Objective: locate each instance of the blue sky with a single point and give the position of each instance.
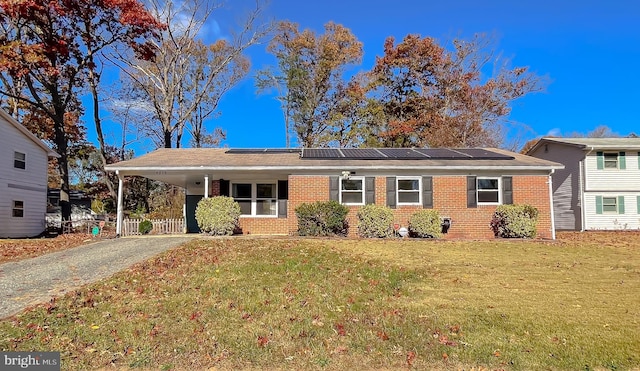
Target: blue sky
(589, 50)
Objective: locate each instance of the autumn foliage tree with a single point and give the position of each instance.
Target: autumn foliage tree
(50, 49)
(434, 97)
(310, 79)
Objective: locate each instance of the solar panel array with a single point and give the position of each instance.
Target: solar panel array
(402, 154)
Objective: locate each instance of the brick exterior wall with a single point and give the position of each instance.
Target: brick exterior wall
(449, 198)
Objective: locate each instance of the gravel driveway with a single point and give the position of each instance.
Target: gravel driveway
(36, 280)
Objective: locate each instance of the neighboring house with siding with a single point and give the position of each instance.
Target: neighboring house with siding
(599, 187)
(23, 180)
(465, 185)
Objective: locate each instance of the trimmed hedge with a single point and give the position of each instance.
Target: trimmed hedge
(515, 221)
(218, 215)
(425, 224)
(322, 218)
(375, 221)
(145, 226)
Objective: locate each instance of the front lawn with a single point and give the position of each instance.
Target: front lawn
(354, 304)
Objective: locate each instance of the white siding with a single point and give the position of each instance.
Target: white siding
(627, 179)
(629, 220)
(28, 185)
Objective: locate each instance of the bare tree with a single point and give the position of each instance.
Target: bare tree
(186, 79)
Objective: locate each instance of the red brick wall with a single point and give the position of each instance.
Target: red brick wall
(449, 198)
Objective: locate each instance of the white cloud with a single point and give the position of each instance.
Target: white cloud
(555, 132)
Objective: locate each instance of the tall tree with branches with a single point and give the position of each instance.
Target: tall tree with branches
(50, 49)
(186, 79)
(310, 79)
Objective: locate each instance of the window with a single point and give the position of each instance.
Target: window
(488, 190)
(408, 191)
(352, 191)
(610, 205)
(18, 209)
(610, 160)
(255, 199)
(19, 160)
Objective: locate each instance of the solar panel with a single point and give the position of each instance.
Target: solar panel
(483, 154)
(442, 153)
(321, 153)
(402, 153)
(362, 153)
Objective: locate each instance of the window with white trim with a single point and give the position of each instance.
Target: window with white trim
(18, 209)
(408, 190)
(610, 160)
(610, 205)
(488, 190)
(255, 199)
(19, 160)
(352, 191)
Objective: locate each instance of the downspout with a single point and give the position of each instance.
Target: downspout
(583, 188)
(553, 219)
(119, 210)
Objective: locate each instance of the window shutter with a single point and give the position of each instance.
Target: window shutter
(369, 190)
(620, 204)
(283, 196)
(598, 204)
(600, 160)
(472, 201)
(391, 192)
(507, 190)
(638, 204)
(427, 192)
(334, 188)
(224, 187)
(622, 161)
(638, 160)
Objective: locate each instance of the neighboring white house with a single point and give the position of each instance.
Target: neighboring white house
(23, 180)
(599, 188)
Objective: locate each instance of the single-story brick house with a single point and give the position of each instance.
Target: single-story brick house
(465, 185)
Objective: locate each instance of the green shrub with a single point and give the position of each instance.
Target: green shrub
(218, 215)
(515, 221)
(322, 218)
(425, 224)
(145, 226)
(375, 221)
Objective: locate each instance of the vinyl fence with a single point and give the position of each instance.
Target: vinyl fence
(160, 226)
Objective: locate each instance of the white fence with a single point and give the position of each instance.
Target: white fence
(160, 226)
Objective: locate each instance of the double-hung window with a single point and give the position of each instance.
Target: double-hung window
(488, 190)
(610, 160)
(408, 190)
(255, 199)
(610, 205)
(352, 191)
(19, 160)
(18, 209)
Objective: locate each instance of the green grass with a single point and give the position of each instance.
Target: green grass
(360, 304)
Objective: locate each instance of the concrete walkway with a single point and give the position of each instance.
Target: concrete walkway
(37, 280)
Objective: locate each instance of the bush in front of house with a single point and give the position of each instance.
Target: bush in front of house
(145, 227)
(425, 224)
(515, 221)
(322, 218)
(375, 221)
(218, 215)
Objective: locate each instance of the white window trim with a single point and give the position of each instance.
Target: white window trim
(499, 190)
(615, 200)
(419, 190)
(360, 178)
(13, 208)
(604, 160)
(254, 198)
(21, 160)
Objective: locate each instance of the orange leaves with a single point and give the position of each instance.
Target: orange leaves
(263, 341)
(382, 335)
(411, 357)
(340, 329)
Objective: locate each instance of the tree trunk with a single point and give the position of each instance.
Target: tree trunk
(96, 117)
(63, 167)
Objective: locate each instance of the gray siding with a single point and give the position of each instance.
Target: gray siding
(28, 185)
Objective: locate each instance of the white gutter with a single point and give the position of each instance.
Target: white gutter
(553, 219)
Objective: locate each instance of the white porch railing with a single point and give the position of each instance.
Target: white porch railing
(160, 226)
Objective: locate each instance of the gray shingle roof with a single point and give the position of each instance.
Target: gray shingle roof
(611, 143)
